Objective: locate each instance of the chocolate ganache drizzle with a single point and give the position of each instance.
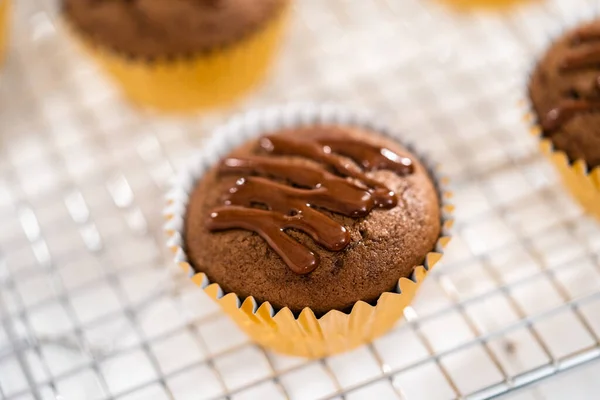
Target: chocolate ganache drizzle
(274, 193)
(585, 55)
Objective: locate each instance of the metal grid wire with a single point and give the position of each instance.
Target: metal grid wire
(88, 312)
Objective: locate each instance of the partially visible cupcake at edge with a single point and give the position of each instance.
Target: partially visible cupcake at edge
(326, 229)
(180, 55)
(565, 96)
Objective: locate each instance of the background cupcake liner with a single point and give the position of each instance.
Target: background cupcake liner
(209, 79)
(4, 21)
(469, 5)
(305, 334)
(582, 182)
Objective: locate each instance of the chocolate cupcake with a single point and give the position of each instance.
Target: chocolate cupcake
(180, 54)
(565, 95)
(321, 231)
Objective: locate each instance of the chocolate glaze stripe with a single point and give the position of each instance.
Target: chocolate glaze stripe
(587, 34)
(266, 180)
(566, 111)
(586, 54)
(271, 225)
(581, 58)
(339, 195)
(369, 157)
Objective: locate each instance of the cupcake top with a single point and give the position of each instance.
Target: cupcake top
(168, 28)
(565, 91)
(317, 217)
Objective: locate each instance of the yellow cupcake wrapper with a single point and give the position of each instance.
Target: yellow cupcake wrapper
(4, 16)
(280, 330)
(499, 5)
(186, 84)
(582, 182)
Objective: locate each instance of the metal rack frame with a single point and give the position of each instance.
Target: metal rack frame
(86, 308)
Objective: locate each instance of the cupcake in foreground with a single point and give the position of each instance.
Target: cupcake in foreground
(565, 95)
(180, 55)
(313, 237)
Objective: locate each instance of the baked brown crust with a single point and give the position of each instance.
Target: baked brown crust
(168, 28)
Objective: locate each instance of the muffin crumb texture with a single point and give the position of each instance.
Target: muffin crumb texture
(168, 28)
(361, 249)
(565, 92)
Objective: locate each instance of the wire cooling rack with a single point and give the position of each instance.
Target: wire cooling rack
(88, 310)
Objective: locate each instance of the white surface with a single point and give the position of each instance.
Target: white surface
(581, 383)
(89, 312)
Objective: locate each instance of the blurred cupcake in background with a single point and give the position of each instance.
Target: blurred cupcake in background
(4, 11)
(311, 226)
(180, 55)
(564, 90)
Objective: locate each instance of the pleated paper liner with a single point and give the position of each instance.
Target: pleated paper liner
(207, 80)
(4, 25)
(279, 329)
(487, 5)
(582, 182)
